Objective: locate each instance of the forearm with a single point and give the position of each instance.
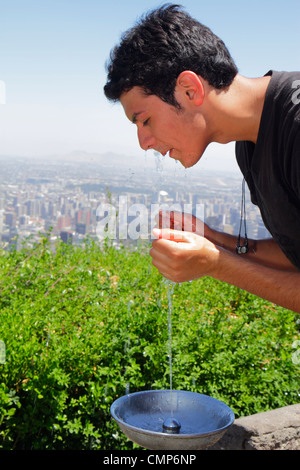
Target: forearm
(265, 252)
(184, 256)
(277, 286)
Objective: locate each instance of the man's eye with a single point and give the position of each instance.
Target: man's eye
(146, 122)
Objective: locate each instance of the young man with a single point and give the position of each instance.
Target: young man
(179, 85)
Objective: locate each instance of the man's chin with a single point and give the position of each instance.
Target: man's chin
(187, 161)
(190, 162)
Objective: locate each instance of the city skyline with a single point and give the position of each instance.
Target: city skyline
(70, 197)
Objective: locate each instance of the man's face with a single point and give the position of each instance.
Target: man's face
(164, 128)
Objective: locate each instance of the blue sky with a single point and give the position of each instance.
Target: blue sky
(52, 56)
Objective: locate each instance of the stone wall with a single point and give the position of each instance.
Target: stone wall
(273, 430)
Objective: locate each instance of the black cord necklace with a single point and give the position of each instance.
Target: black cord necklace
(242, 249)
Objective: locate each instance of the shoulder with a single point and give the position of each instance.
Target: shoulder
(284, 87)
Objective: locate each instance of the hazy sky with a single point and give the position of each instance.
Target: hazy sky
(52, 61)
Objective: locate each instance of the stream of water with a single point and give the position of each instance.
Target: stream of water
(170, 286)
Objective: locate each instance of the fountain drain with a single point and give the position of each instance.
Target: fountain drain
(171, 426)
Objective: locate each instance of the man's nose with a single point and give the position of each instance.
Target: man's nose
(146, 139)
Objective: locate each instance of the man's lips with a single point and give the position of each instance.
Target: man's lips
(169, 151)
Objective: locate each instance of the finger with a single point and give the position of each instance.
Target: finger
(161, 260)
(172, 235)
(165, 219)
(177, 220)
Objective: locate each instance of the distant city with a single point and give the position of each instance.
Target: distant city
(61, 195)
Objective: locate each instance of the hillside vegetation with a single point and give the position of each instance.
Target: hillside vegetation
(84, 325)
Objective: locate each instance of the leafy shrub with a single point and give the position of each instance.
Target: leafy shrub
(83, 326)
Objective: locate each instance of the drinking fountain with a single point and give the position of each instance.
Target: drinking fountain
(172, 419)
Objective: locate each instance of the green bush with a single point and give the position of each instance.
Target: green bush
(83, 325)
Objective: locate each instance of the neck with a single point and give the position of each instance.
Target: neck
(236, 112)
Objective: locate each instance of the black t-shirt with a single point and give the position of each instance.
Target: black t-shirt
(271, 167)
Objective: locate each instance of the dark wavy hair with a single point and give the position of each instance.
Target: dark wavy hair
(156, 50)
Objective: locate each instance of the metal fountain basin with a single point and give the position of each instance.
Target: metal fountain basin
(142, 417)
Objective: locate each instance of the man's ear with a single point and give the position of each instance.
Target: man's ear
(190, 85)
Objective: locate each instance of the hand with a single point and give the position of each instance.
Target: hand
(183, 256)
